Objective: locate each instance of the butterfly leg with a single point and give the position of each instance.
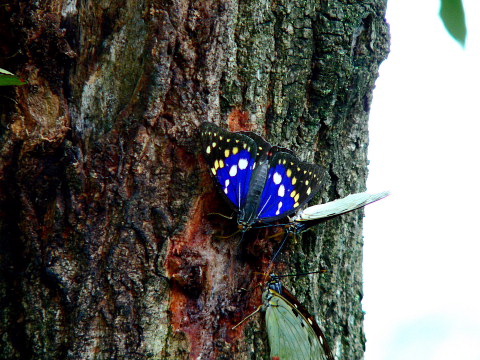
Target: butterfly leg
(248, 317)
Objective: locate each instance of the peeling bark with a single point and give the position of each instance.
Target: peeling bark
(107, 247)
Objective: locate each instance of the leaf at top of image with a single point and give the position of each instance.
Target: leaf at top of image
(7, 78)
(453, 17)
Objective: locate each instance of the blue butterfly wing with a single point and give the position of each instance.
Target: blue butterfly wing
(231, 157)
(290, 183)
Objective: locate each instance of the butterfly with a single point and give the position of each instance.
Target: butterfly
(260, 182)
(293, 334)
(317, 214)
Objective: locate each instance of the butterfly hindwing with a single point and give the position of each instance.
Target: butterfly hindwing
(231, 157)
(290, 183)
(289, 335)
(292, 332)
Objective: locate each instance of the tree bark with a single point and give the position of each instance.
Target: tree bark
(107, 247)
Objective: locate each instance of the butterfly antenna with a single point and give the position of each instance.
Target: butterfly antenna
(270, 264)
(279, 248)
(222, 215)
(248, 317)
(303, 274)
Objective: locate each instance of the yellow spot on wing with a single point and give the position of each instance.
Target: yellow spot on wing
(227, 153)
(296, 197)
(208, 149)
(221, 164)
(235, 150)
(215, 164)
(309, 190)
(289, 173)
(294, 180)
(214, 144)
(214, 171)
(293, 193)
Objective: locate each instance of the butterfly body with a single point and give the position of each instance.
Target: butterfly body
(293, 333)
(247, 214)
(261, 182)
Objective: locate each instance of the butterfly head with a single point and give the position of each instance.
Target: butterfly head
(243, 226)
(275, 284)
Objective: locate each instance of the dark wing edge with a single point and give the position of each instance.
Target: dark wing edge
(262, 144)
(288, 296)
(210, 133)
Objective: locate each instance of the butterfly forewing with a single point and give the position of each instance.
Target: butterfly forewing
(339, 206)
(290, 333)
(290, 183)
(231, 158)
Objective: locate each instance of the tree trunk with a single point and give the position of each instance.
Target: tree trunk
(107, 246)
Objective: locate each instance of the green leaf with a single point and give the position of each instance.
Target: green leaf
(453, 17)
(7, 78)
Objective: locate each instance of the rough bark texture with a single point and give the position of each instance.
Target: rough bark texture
(103, 191)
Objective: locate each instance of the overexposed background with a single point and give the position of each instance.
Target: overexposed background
(422, 244)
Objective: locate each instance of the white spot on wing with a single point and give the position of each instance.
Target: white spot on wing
(280, 204)
(233, 171)
(277, 178)
(227, 182)
(281, 191)
(242, 164)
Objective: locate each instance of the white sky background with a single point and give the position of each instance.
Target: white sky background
(422, 244)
